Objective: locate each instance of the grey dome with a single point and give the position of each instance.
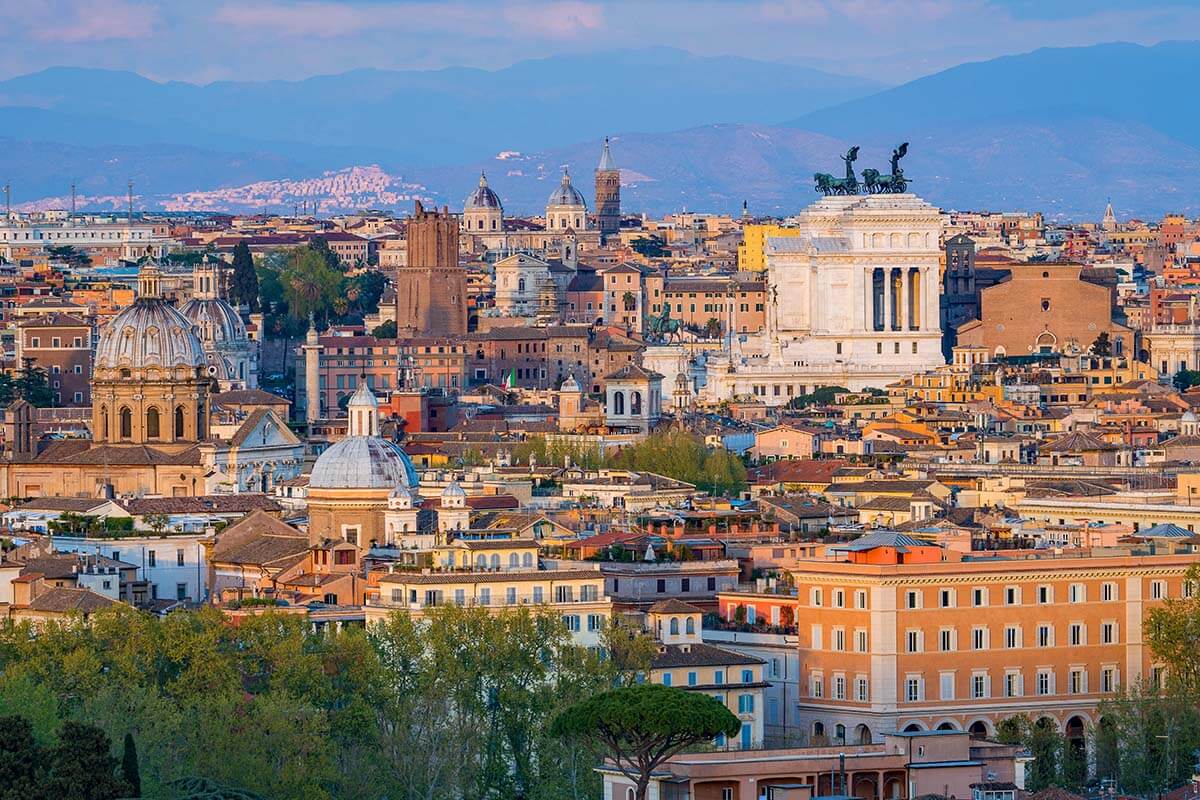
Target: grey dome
(363, 462)
(483, 198)
(151, 332)
(566, 194)
(215, 320)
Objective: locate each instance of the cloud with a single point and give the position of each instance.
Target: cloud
(324, 19)
(65, 22)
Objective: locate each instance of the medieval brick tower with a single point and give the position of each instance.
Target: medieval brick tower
(608, 195)
(431, 290)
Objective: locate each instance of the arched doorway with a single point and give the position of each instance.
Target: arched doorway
(862, 735)
(978, 729)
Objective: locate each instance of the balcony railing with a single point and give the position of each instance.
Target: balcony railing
(496, 601)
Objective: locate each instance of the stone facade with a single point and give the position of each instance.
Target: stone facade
(1045, 308)
(852, 301)
(431, 289)
(608, 195)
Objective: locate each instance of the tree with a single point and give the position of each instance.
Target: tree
(32, 385)
(310, 285)
(129, 766)
(821, 396)
(20, 759)
(365, 291)
(385, 330)
(649, 246)
(1147, 739)
(245, 279)
(81, 765)
(641, 726)
(1173, 632)
(157, 522)
(1102, 346)
(1185, 379)
(712, 328)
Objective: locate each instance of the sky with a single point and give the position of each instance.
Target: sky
(889, 40)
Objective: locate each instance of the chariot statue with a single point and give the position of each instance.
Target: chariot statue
(873, 181)
(895, 183)
(827, 184)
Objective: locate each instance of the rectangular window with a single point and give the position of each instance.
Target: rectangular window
(1012, 595)
(912, 690)
(946, 685)
(839, 687)
(946, 640)
(1108, 679)
(485, 596)
(839, 598)
(460, 597)
(860, 640)
(1045, 595)
(979, 686)
(1077, 593)
(860, 599)
(816, 637)
(946, 598)
(816, 597)
(979, 597)
(1045, 682)
(1158, 590)
(1045, 636)
(979, 638)
(861, 692)
(661, 586)
(1012, 684)
(839, 639)
(1077, 634)
(913, 600)
(1108, 592)
(151, 558)
(179, 558)
(913, 641)
(510, 596)
(1108, 633)
(666, 679)
(1077, 683)
(719, 676)
(1012, 637)
(692, 678)
(818, 686)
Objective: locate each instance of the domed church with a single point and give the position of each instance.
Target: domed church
(351, 482)
(566, 208)
(150, 424)
(232, 358)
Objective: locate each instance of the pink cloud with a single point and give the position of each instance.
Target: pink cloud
(330, 20)
(61, 21)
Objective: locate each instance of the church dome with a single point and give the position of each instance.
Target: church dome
(215, 320)
(363, 462)
(151, 332)
(483, 198)
(566, 194)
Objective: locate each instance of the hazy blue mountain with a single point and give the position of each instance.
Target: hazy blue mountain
(1121, 82)
(437, 116)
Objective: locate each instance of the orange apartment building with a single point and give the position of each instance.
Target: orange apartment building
(896, 634)
(698, 300)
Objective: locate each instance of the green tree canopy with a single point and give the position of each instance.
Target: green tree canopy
(684, 456)
(311, 286)
(641, 726)
(385, 330)
(245, 279)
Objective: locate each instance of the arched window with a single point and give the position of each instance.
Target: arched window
(126, 423)
(481, 561)
(635, 403)
(495, 561)
(178, 422)
(674, 626)
(690, 625)
(514, 560)
(152, 423)
(527, 560)
(839, 733)
(520, 284)
(619, 403)
(104, 422)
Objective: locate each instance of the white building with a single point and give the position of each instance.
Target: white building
(120, 238)
(853, 303)
(173, 564)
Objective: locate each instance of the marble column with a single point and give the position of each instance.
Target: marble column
(905, 310)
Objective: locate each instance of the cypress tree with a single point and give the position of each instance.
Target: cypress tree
(129, 766)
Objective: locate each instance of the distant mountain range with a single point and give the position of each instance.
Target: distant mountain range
(1058, 130)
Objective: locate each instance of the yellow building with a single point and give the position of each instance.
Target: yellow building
(684, 661)
(576, 594)
(751, 255)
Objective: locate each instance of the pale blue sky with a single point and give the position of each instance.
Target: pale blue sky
(890, 40)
